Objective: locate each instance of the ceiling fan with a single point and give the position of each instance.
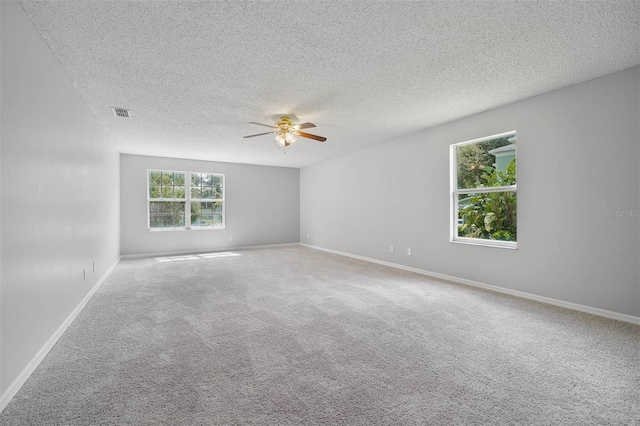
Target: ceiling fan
(286, 131)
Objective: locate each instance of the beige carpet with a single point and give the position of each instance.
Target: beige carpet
(294, 336)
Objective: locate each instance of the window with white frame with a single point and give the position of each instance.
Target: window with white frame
(484, 191)
(185, 200)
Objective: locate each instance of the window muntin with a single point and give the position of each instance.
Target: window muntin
(185, 200)
(484, 191)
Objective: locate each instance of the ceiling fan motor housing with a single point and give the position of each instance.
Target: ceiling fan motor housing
(286, 129)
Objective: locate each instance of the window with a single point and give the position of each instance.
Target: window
(185, 200)
(483, 191)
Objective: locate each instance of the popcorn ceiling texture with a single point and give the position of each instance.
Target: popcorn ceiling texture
(194, 73)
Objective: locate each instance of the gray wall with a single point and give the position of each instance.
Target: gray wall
(578, 157)
(262, 207)
(59, 195)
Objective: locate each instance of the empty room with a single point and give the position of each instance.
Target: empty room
(320, 213)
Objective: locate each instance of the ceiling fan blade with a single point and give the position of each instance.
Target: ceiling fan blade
(304, 126)
(260, 124)
(310, 136)
(258, 134)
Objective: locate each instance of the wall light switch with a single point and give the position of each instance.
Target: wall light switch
(230, 238)
(408, 252)
(390, 249)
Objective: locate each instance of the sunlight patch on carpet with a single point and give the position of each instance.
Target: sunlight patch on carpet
(197, 256)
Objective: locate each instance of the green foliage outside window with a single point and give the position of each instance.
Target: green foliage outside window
(166, 184)
(490, 215)
(166, 214)
(472, 160)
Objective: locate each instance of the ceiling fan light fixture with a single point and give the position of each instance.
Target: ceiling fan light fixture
(289, 137)
(280, 140)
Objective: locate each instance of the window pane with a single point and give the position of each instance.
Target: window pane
(167, 221)
(195, 214)
(178, 179)
(489, 216)
(154, 191)
(202, 214)
(487, 163)
(196, 220)
(165, 214)
(195, 179)
(167, 208)
(155, 207)
(207, 193)
(217, 184)
(155, 222)
(178, 208)
(207, 179)
(205, 214)
(195, 192)
(179, 192)
(167, 178)
(167, 192)
(179, 220)
(155, 177)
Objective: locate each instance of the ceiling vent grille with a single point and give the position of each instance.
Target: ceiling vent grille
(121, 112)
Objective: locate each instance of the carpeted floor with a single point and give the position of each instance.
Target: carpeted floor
(295, 336)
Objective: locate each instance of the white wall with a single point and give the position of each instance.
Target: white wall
(60, 196)
(262, 207)
(578, 157)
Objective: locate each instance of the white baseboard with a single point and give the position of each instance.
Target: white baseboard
(213, 250)
(15, 386)
(582, 308)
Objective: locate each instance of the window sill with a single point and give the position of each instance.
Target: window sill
(217, 228)
(184, 229)
(511, 245)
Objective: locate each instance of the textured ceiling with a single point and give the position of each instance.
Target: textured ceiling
(194, 73)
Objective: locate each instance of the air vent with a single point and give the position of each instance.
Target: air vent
(121, 112)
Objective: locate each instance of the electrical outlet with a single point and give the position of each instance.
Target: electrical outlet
(390, 249)
(408, 252)
(230, 238)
